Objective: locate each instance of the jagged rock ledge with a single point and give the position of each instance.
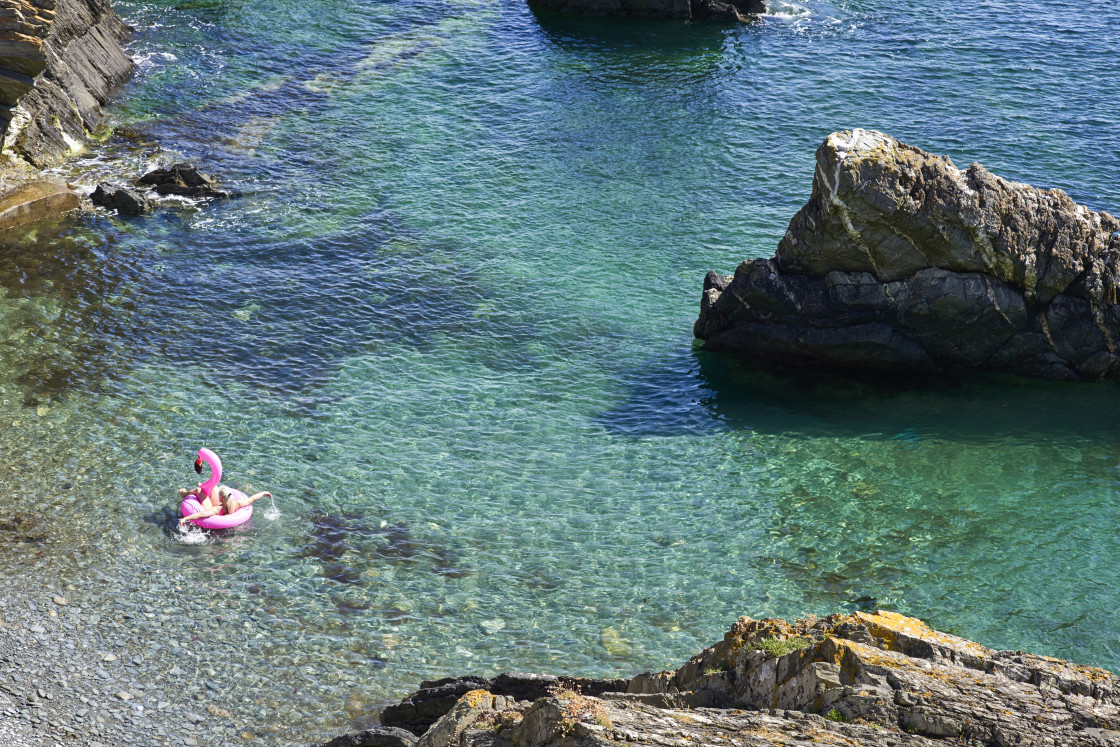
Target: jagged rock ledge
(901, 261)
(59, 62)
(728, 10)
(864, 679)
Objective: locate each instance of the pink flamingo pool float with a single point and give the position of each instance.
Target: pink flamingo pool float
(192, 503)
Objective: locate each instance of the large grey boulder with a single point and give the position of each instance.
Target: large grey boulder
(902, 261)
(736, 10)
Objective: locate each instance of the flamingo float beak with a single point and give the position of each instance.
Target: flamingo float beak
(198, 466)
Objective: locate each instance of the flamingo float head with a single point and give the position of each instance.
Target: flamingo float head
(209, 457)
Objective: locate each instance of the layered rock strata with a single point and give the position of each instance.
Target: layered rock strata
(739, 10)
(902, 261)
(59, 60)
(864, 679)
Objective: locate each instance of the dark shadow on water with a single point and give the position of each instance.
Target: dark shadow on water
(638, 50)
(698, 392)
(290, 311)
(667, 398)
(576, 33)
(958, 406)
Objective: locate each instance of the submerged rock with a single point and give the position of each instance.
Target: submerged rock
(901, 261)
(734, 10)
(872, 679)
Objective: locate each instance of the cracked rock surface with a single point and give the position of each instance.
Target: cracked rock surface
(864, 679)
(902, 261)
(59, 62)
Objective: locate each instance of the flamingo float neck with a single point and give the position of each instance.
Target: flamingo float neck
(205, 455)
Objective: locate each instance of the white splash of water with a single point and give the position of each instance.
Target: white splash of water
(272, 513)
(788, 10)
(146, 61)
(189, 534)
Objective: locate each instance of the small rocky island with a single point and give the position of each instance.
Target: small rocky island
(864, 679)
(901, 261)
(729, 10)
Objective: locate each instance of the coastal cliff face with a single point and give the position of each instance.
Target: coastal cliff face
(864, 679)
(739, 10)
(902, 261)
(59, 60)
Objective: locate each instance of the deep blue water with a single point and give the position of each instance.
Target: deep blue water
(448, 324)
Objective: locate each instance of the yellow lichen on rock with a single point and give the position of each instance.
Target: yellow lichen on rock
(477, 698)
(890, 628)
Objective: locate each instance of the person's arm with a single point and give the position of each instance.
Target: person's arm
(204, 513)
(254, 497)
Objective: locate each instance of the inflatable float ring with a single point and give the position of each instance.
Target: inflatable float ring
(190, 505)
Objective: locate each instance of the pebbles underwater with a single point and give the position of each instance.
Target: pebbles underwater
(68, 675)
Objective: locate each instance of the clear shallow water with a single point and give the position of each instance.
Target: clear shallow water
(448, 325)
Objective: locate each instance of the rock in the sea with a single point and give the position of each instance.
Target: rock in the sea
(35, 201)
(125, 201)
(735, 10)
(183, 179)
(59, 60)
(728, 10)
(873, 679)
(902, 261)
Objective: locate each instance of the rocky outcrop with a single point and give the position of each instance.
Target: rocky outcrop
(183, 180)
(59, 60)
(178, 180)
(125, 201)
(419, 711)
(380, 736)
(864, 679)
(33, 201)
(902, 261)
(736, 10)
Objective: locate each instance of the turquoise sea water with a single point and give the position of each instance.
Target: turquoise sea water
(448, 324)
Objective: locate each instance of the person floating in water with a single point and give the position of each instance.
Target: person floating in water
(220, 502)
(212, 499)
